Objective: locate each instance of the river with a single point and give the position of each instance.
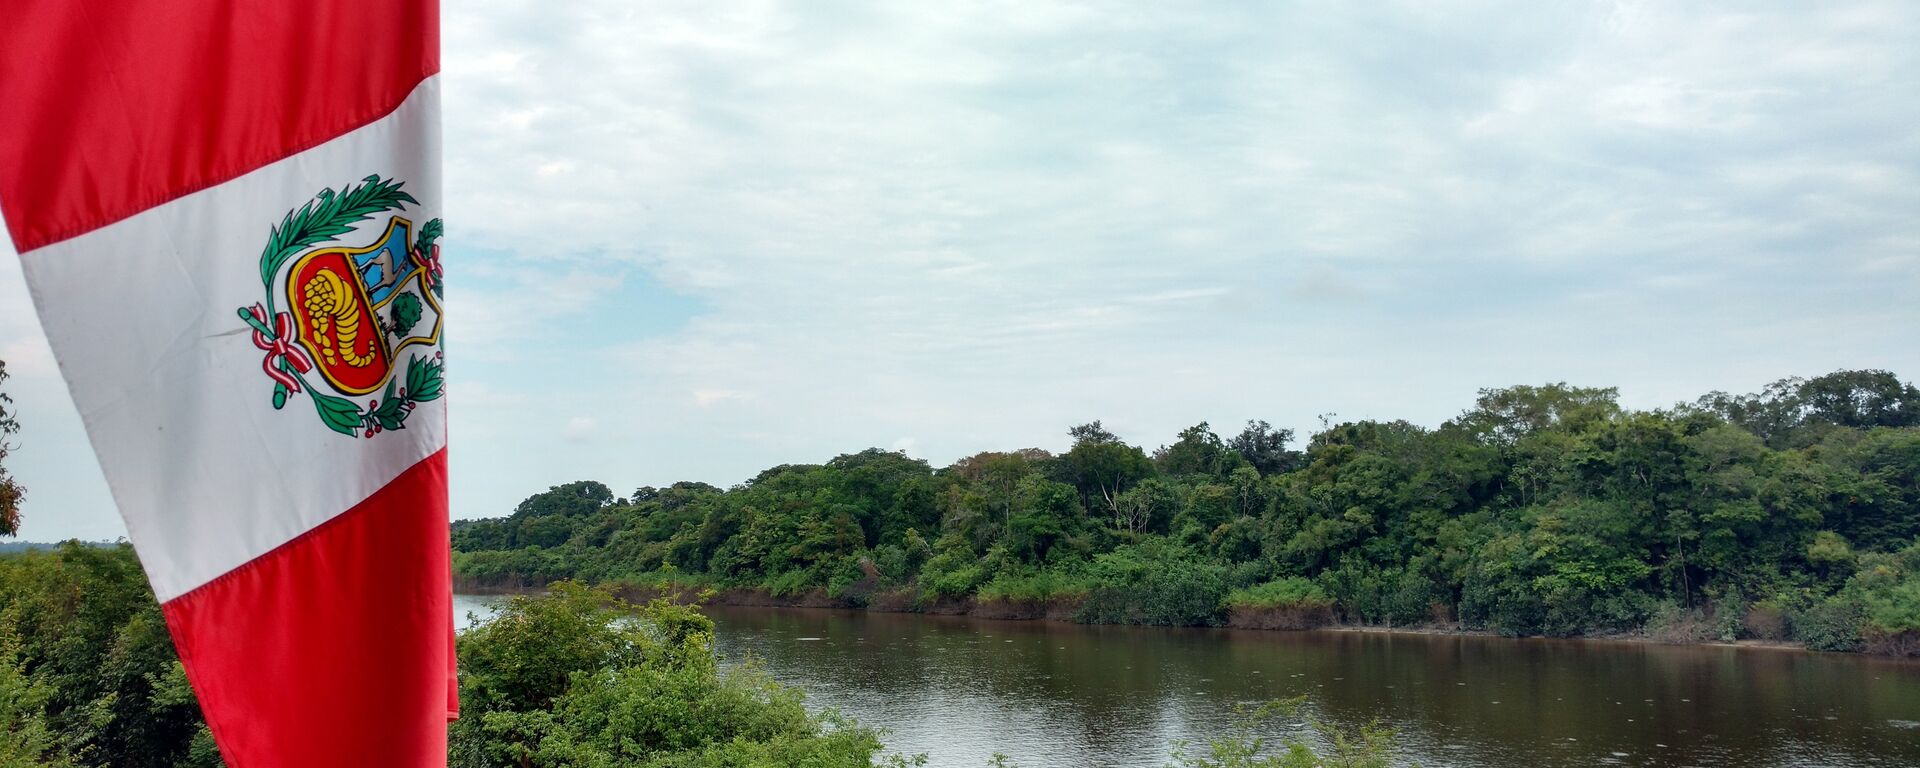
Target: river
(1051, 694)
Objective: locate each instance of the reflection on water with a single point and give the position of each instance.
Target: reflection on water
(467, 608)
(1050, 694)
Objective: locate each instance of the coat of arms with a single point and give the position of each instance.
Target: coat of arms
(354, 316)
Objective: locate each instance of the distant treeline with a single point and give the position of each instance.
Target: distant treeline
(10, 547)
(1787, 514)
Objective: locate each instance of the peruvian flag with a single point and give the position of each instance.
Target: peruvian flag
(229, 217)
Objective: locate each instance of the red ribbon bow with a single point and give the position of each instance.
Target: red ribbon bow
(279, 348)
(430, 259)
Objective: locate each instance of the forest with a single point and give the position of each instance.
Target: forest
(1786, 515)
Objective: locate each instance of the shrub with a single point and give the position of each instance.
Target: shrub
(1153, 582)
(790, 583)
(1833, 624)
(1288, 603)
(25, 739)
(1516, 586)
(952, 573)
(1670, 623)
(1896, 607)
(1291, 590)
(579, 677)
(852, 580)
(1384, 596)
(1884, 593)
(891, 561)
(1034, 584)
(1728, 613)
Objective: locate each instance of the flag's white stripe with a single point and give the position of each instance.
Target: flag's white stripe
(141, 316)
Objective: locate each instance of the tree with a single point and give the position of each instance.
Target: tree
(1045, 513)
(1148, 507)
(1102, 467)
(1198, 451)
(1506, 415)
(1860, 400)
(575, 499)
(1265, 448)
(1772, 413)
(1091, 433)
(1793, 412)
(10, 491)
(82, 624)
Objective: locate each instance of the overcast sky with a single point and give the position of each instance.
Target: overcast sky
(693, 240)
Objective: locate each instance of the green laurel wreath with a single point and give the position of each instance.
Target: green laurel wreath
(425, 383)
(326, 216)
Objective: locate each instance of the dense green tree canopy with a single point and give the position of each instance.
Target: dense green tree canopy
(1540, 509)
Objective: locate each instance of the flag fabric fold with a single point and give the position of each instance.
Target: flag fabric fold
(229, 217)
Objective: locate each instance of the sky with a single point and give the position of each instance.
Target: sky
(691, 240)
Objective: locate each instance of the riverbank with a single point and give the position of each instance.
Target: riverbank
(1624, 637)
(1062, 610)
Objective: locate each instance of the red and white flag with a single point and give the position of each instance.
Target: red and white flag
(229, 215)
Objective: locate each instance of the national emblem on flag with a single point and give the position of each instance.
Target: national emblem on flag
(352, 313)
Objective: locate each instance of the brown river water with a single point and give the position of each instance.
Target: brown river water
(1050, 694)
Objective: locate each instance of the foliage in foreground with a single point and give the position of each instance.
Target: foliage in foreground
(580, 678)
(88, 674)
(1780, 515)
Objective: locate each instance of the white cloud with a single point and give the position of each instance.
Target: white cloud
(975, 223)
(711, 397)
(579, 429)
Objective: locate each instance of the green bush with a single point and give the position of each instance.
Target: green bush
(1153, 582)
(953, 572)
(1384, 596)
(1288, 591)
(580, 678)
(1033, 584)
(1285, 603)
(1895, 608)
(849, 580)
(1555, 579)
(791, 583)
(1833, 624)
(1885, 591)
(25, 739)
(1727, 615)
(1670, 623)
(891, 561)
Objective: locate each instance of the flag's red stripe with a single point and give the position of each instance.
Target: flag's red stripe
(110, 108)
(332, 650)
